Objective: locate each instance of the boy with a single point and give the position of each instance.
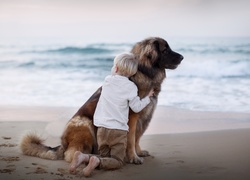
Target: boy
(111, 116)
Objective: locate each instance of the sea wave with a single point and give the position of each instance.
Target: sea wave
(242, 49)
(214, 69)
(86, 50)
(98, 48)
(214, 75)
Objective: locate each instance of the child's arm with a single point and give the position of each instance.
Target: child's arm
(137, 104)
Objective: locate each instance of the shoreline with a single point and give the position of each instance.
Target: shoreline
(183, 144)
(165, 119)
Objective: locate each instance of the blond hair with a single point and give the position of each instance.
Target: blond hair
(126, 63)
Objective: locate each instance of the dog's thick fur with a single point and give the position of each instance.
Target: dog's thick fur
(154, 55)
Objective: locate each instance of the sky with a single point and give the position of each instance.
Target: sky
(115, 20)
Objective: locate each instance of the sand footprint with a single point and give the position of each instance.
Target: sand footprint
(6, 138)
(9, 169)
(180, 161)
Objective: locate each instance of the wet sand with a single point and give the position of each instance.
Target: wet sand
(183, 145)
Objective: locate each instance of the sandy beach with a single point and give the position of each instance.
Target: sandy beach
(183, 145)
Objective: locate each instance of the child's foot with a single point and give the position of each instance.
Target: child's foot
(77, 160)
(93, 163)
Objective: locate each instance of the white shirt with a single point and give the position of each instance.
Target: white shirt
(118, 94)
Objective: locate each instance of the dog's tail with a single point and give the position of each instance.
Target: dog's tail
(32, 145)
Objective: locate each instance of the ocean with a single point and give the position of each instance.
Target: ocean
(214, 75)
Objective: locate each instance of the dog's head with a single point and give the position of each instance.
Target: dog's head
(155, 53)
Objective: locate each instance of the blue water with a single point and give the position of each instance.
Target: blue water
(214, 76)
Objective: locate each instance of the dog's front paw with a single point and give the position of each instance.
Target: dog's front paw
(135, 160)
(143, 153)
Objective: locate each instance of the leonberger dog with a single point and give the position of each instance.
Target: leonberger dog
(154, 56)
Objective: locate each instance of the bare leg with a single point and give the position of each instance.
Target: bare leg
(93, 163)
(78, 159)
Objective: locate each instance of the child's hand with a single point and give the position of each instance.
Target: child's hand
(151, 93)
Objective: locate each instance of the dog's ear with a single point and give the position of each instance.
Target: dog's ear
(157, 45)
(150, 52)
(157, 53)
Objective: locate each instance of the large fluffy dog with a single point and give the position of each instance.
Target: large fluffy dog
(154, 56)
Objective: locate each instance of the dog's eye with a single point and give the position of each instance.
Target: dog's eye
(165, 51)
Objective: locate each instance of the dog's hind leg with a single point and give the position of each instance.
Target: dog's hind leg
(69, 153)
(76, 146)
(78, 138)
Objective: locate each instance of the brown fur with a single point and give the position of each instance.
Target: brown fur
(154, 55)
